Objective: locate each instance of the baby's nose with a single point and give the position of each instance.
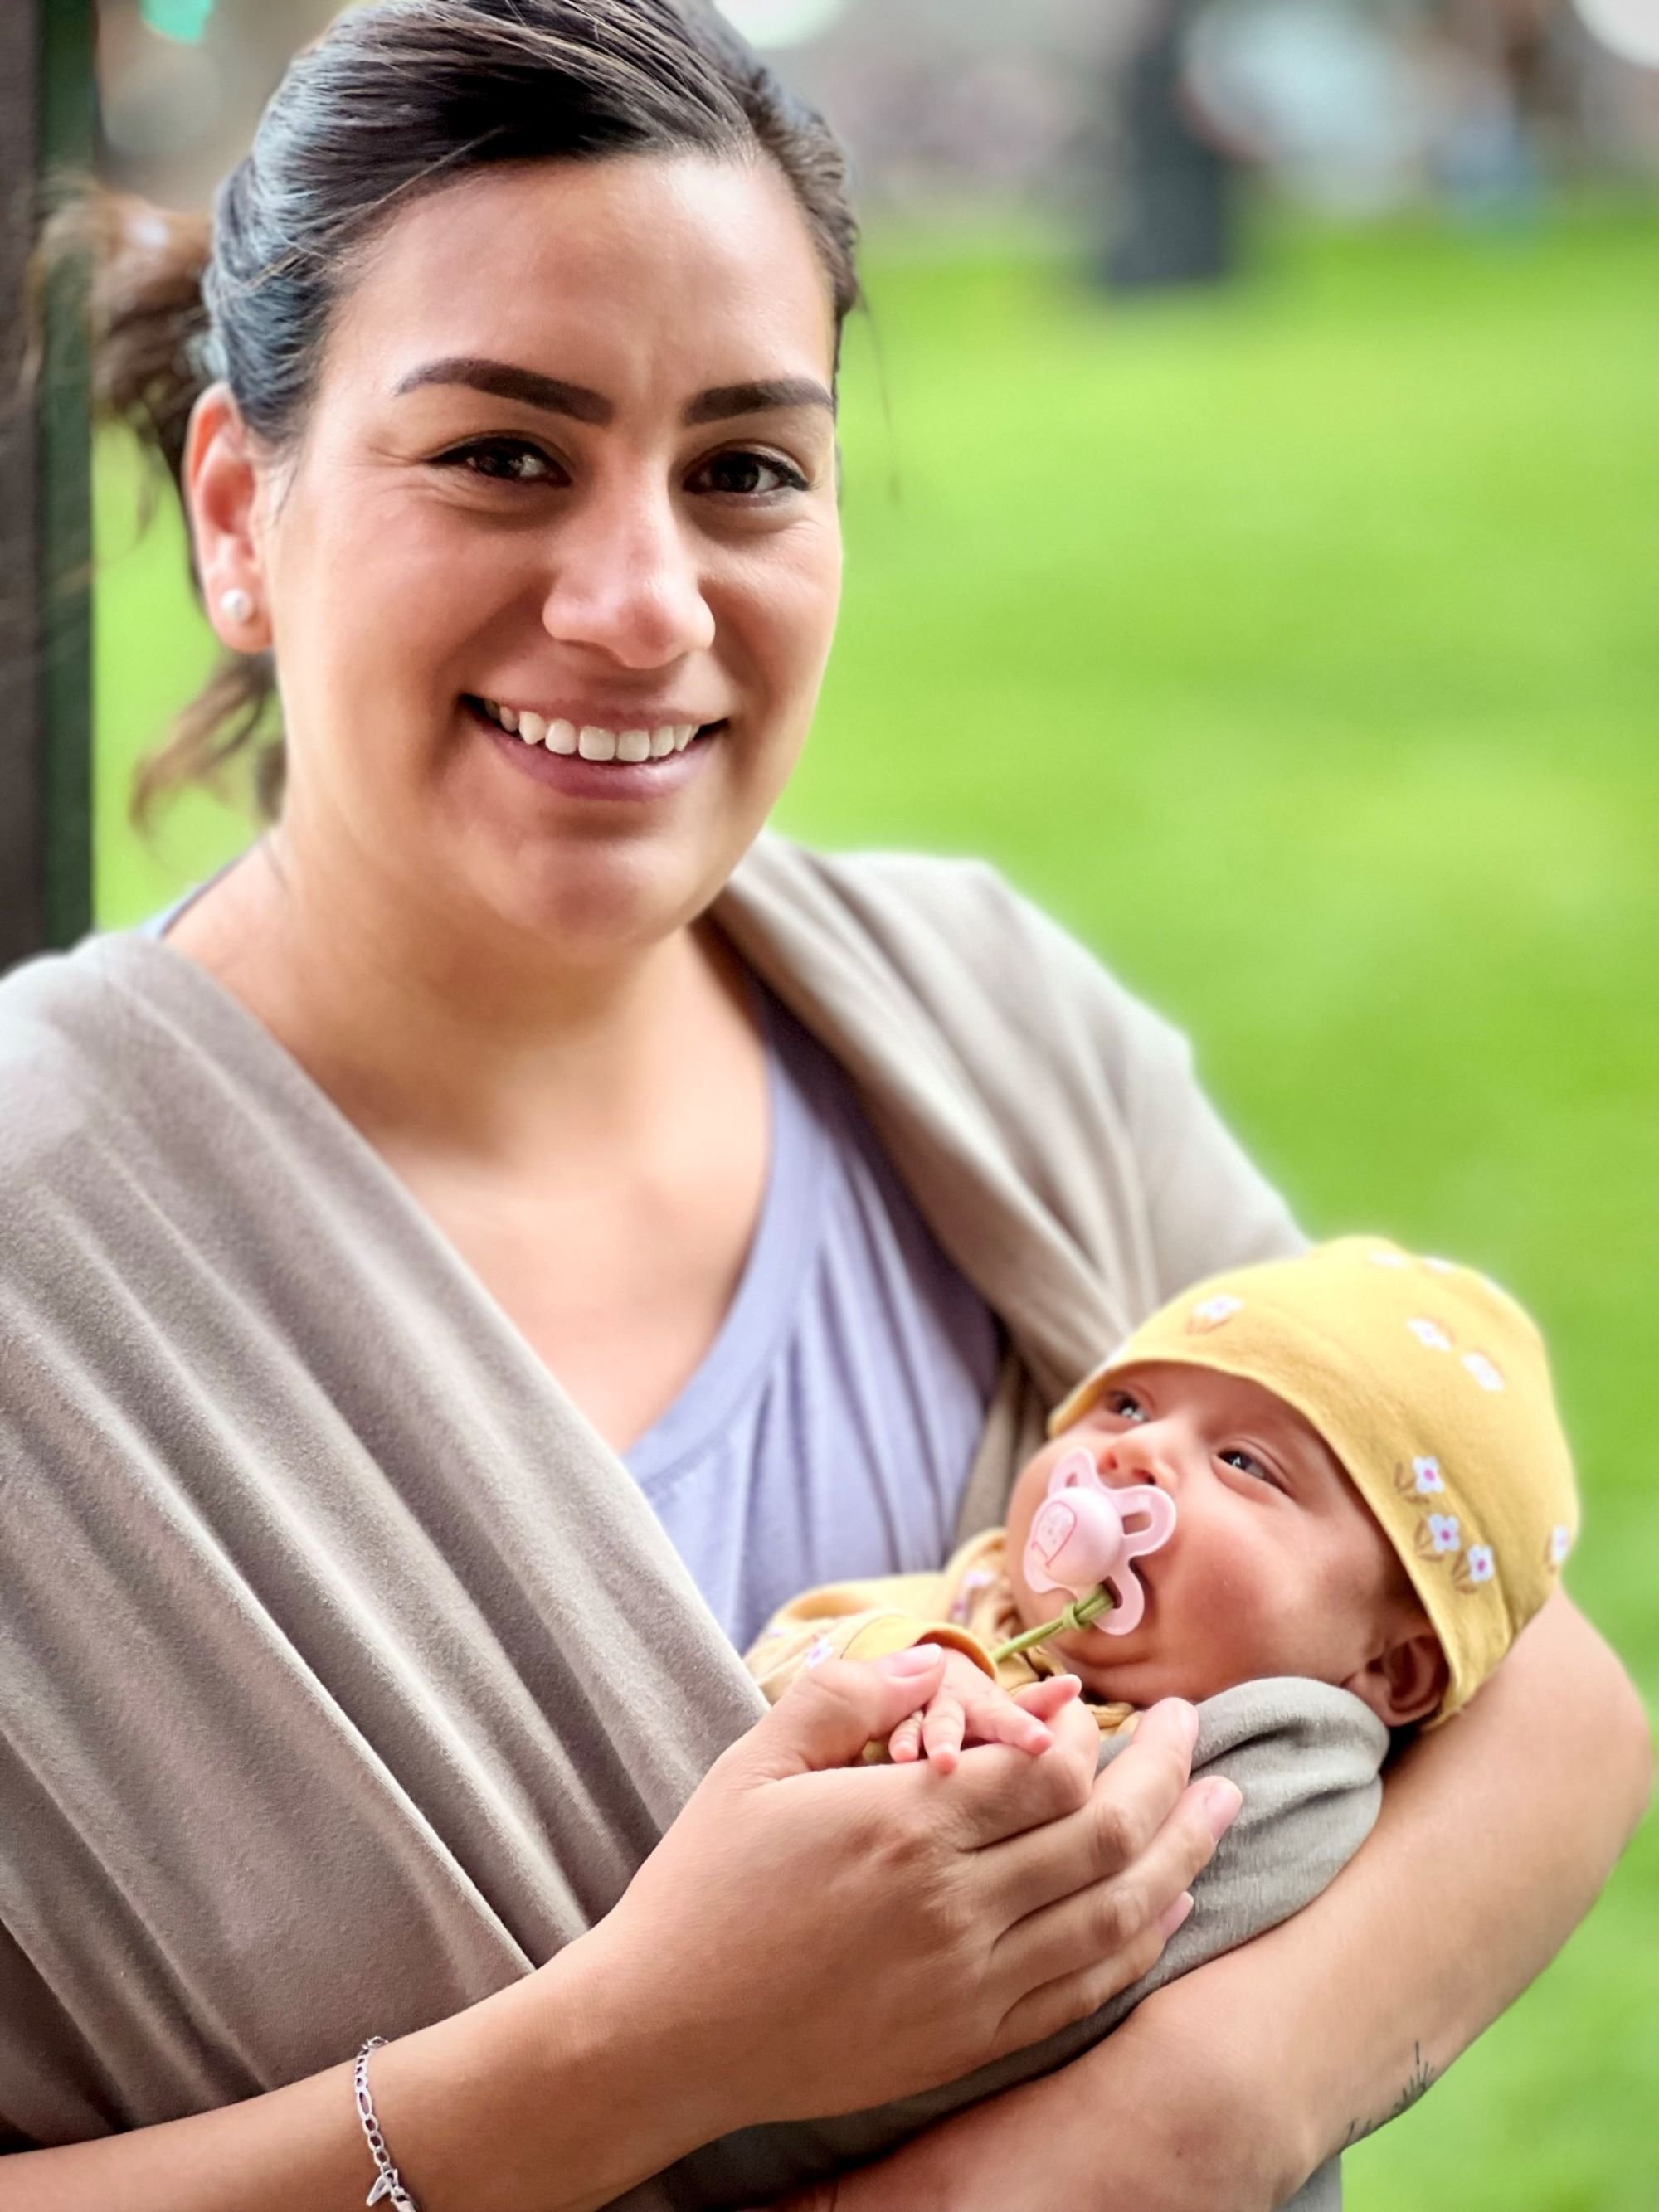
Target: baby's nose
(1143, 1457)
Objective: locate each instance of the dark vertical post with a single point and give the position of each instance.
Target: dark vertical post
(1173, 217)
(46, 110)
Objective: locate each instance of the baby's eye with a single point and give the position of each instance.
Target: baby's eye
(1124, 1404)
(503, 461)
(744, 476)
(1247, 1463)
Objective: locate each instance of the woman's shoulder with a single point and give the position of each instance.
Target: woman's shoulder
(964, 944)
(56, 1016)
(903, 963)
(86, 1039)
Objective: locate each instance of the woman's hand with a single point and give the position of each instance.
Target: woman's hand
(826, 1936)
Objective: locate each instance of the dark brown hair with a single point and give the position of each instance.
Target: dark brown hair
(397, 100)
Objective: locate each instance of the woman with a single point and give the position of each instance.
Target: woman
(348, 1676)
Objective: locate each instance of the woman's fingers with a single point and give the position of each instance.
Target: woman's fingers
(1073, 1997)
(999, 1793)
(1127, 1805)
(1112, 1921)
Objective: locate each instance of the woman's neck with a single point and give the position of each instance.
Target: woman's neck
(456, 1034)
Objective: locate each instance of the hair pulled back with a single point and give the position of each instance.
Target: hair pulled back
(397, 100)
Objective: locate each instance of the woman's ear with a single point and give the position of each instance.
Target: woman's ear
(222, 486)
(1404, 1682)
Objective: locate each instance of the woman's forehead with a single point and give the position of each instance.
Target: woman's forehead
(632, 275)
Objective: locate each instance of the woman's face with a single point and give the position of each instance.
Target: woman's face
(571, 456)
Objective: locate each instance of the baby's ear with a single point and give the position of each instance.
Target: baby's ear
(1406, 1681)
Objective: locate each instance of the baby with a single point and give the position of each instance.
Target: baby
(1346, 1466)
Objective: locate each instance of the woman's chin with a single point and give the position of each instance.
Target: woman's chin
(590, 910)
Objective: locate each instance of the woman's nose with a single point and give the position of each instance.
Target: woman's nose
(627, 582)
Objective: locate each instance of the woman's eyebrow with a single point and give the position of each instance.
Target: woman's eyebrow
(553, 396)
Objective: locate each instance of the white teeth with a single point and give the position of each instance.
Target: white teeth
(591, 741)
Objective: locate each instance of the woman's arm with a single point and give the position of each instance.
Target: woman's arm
(1232, 2086)
(808, 1933)
(1521, 1807)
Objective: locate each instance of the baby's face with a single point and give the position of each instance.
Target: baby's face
(1276, 1565)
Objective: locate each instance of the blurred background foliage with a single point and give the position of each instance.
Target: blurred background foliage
(1252, 503)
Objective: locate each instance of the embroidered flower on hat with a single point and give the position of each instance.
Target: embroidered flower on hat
(819, 1651)
(1442, 1532)
(1429, 1334)
(1482, 1565)
(1483, 1370)
(1560, 1544)
(1426, 1478)
(1210, 1313)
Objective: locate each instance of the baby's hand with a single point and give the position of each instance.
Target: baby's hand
(968, 1707)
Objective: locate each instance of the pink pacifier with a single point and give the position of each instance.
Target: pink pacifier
(1086, 1536)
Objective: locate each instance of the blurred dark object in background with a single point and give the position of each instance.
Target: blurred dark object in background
(1172, 188)
(46, 110)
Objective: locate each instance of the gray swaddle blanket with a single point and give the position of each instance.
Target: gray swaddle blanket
(307, 1556)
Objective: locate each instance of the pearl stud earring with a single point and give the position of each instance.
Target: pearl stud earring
(236, 605)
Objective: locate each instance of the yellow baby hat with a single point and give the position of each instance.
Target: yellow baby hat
(1431, 1387)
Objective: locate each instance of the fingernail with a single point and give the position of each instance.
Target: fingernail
(1222, 1799)
(916, 1661)
(1172, 1915)
(1184, 1716)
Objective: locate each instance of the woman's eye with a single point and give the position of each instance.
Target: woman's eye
(503, 461)
(747, 476)
(1247, 1463)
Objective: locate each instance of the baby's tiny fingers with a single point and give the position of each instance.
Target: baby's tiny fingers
(1045, 1699)
(994, 1717)
(1012, 1724)
(905, 1742)
(942, 1726)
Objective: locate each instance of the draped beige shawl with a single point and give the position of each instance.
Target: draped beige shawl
(306, 1553)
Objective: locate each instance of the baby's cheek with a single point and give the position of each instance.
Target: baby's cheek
(1232, 1619)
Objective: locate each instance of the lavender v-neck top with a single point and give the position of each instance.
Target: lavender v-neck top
(830, 1429)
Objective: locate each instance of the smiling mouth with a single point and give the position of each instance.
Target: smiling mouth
(593, 741)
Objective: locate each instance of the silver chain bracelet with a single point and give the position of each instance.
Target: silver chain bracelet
(388, 2187)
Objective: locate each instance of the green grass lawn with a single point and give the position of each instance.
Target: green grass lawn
(1299, 647)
